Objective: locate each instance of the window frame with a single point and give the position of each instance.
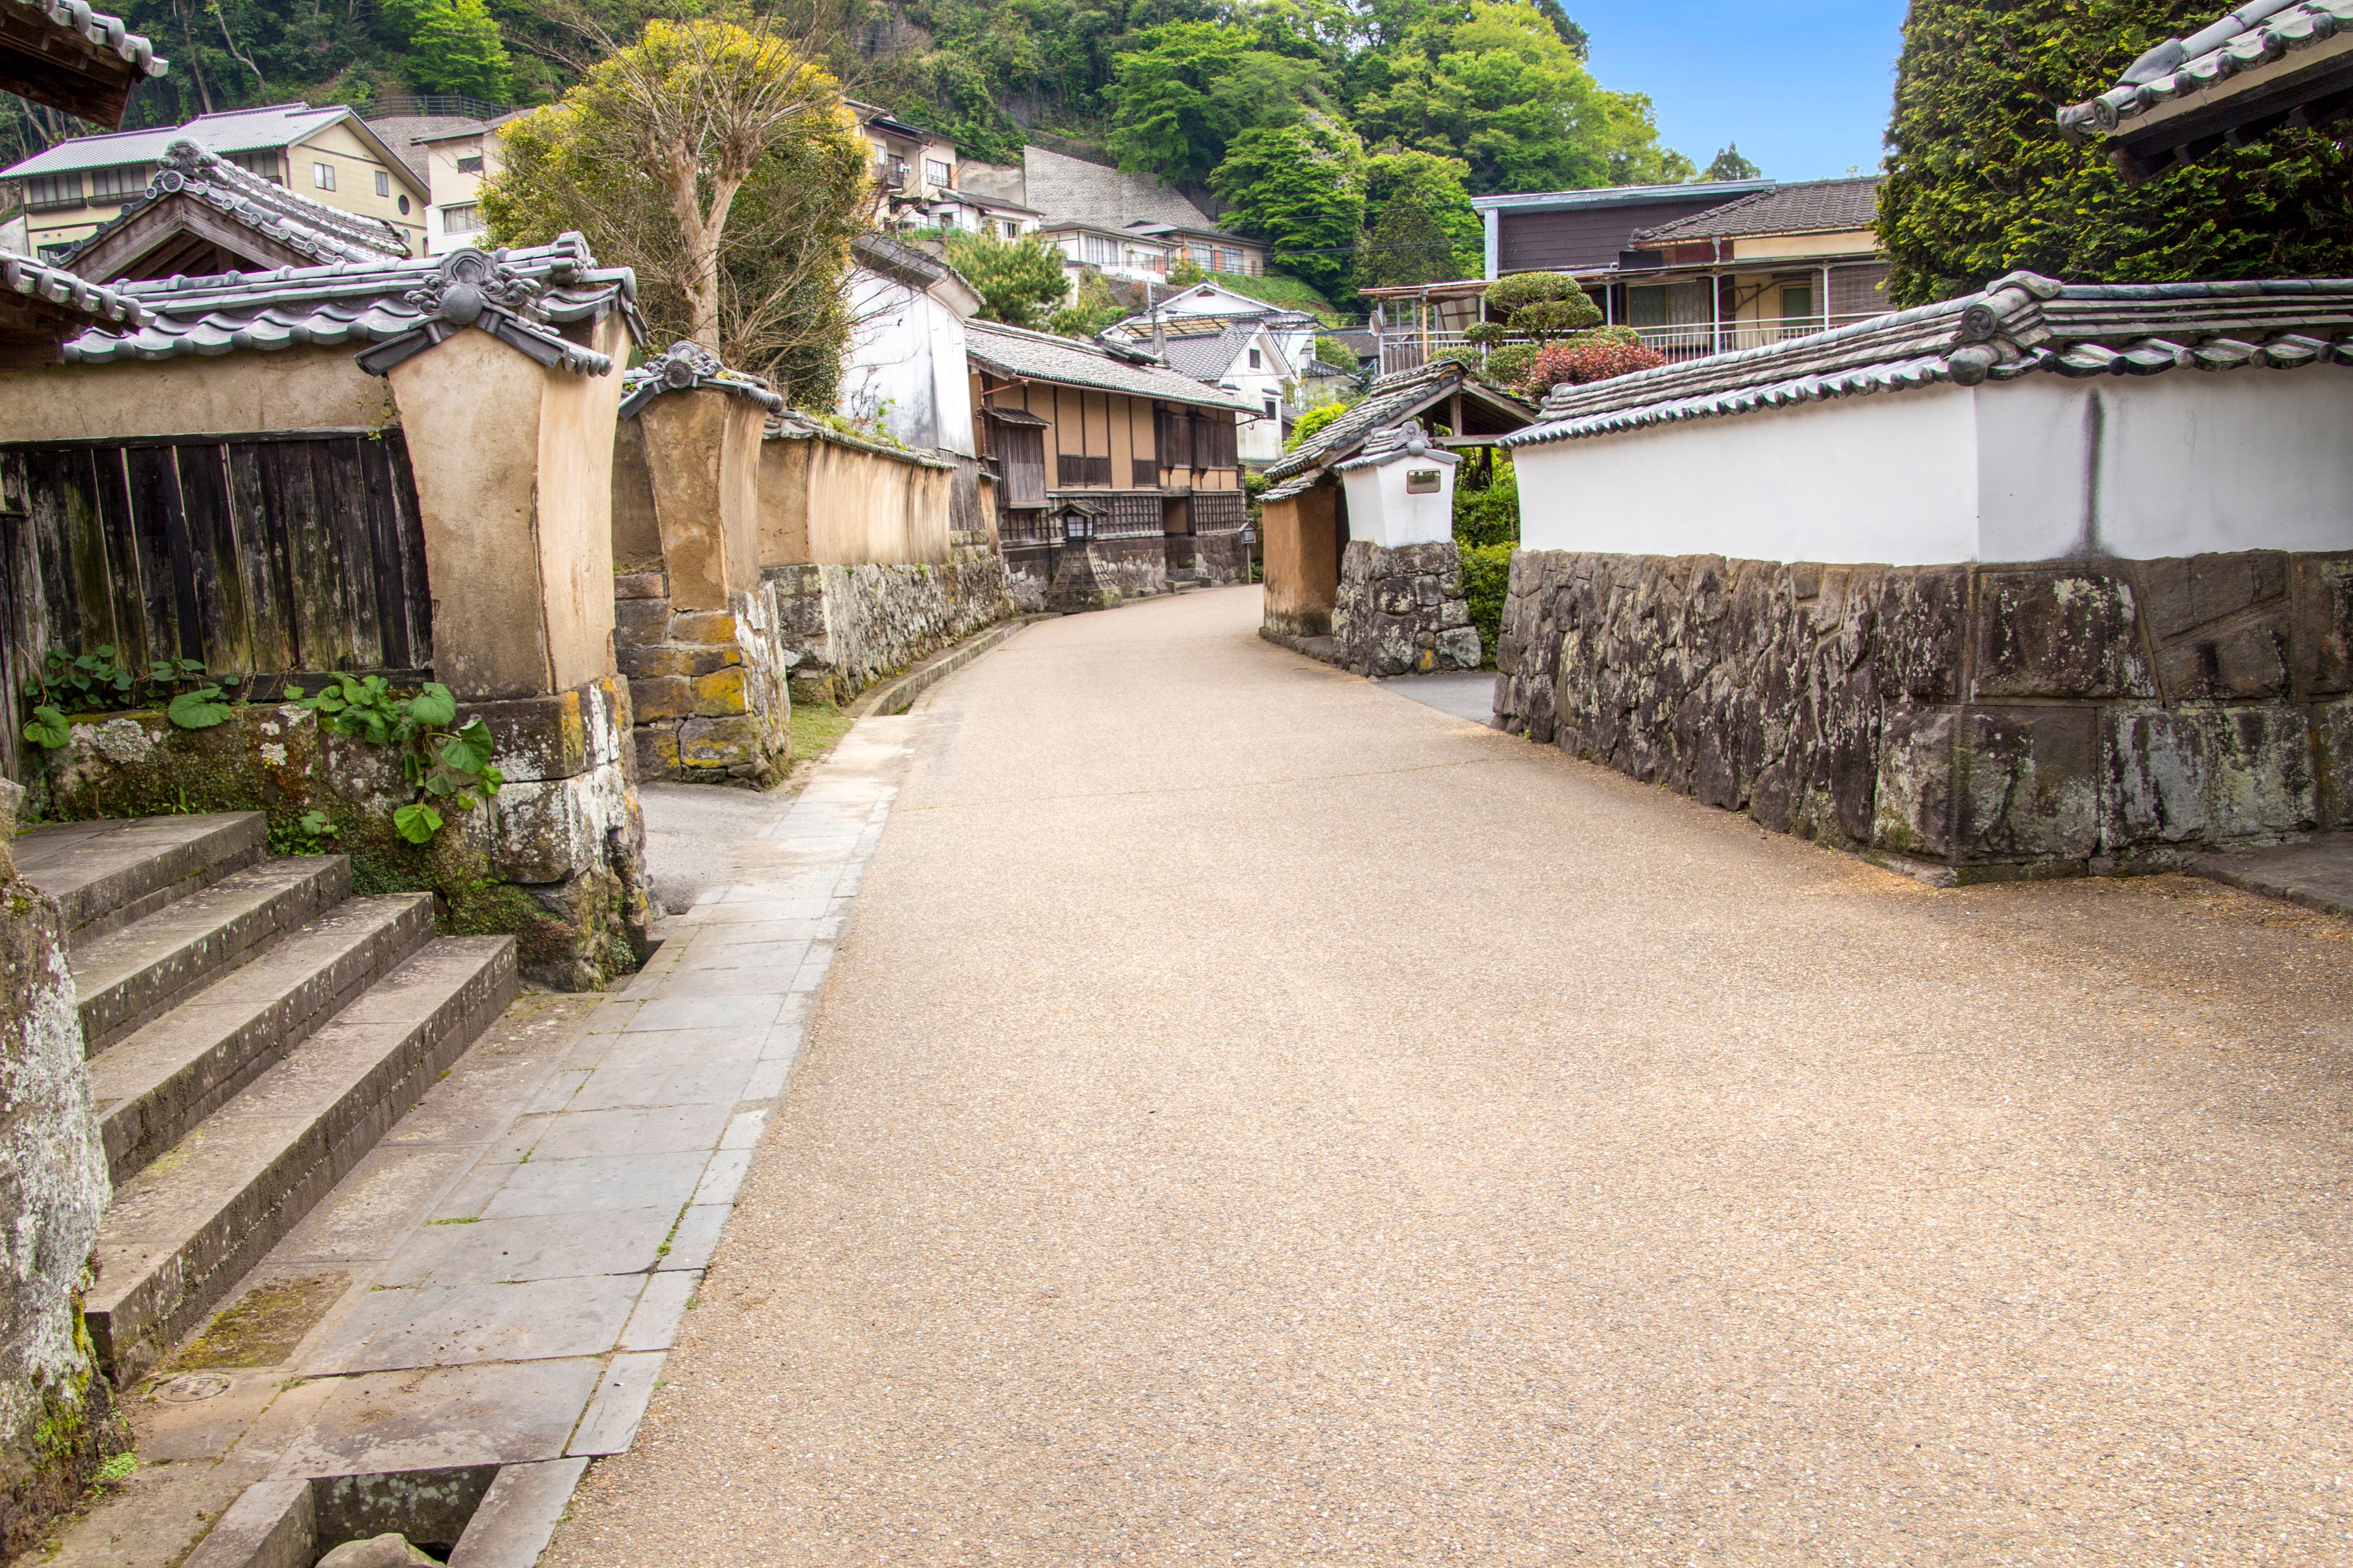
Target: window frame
(322, 175)
(473, 211)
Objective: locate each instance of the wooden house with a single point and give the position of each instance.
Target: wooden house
(1061, 420)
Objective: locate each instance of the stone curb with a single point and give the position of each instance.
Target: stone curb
(2269, 882)
(898, 694)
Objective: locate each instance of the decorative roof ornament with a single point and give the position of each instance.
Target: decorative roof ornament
(471, 289)
(684, 366)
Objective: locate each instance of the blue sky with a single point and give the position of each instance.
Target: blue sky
(1802, 85)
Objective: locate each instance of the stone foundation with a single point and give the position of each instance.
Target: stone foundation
(1133, 568)
(54, 1407)
(708, 686)
(1401, 611)
(1971, 721)
(557, 859)
(847, 627)
(1220, 558)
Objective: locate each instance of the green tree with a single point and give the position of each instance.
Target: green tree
(1191, 89)
(719, 162)
(1299, 187)
(1979, 181)
(1730, 166)
(454, 46)
(1435, 186)
(1634, 153)
(1492, 83)
(1016, 278)
(1405, 246)
(1091, 309)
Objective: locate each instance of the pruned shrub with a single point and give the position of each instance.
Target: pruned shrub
(1522, 289)
(1584, 360)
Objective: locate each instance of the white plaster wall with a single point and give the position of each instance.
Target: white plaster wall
(2042, 469)
(906, 366)
(1890, 478)
(1381, 511)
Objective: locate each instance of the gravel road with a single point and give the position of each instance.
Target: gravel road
(1256, 1119)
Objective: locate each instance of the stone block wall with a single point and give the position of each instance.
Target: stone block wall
(557, 859)
(1972, 721)
(54, 1407)
(708, 686)
(846, 627)
(1402, 611)
(1219, 558)
(1133, 568)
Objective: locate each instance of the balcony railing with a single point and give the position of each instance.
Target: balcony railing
(1408, 348)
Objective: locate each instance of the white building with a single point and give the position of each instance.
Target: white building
(906, 369)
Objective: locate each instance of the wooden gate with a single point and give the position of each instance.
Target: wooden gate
(258, 554)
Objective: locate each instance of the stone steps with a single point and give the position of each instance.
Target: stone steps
(190, 1225)
(251, 1030)
(131, 974)
(151, 1088)
(104, 875)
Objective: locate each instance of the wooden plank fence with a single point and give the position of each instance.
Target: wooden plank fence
(258, 554)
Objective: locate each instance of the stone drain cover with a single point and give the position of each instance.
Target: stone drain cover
(196, 1385)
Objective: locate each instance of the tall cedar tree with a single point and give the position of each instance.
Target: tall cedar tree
(1299, 187)
(1979, 181)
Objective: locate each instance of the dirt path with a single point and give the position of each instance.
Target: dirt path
(1257, 1119)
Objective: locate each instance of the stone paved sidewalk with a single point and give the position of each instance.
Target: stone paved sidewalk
(502, 1279)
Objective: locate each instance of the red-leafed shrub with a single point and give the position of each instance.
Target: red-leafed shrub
(1594, 359)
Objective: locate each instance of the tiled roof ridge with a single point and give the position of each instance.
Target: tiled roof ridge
(1700, 224)
(324, 233)
(2019, 325)
(107, 32)
(1127, 371)
(685, 366)
(2253, 35)
(401, 307)
(1363, 416)
(24, 275)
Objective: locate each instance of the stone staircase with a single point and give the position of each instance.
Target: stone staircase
(252, 1031)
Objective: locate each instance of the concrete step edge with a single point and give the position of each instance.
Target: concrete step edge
(184, 1232)
(146, 968)
(152, 1087)
(105, 874)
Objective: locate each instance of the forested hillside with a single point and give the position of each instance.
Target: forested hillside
(1352, 136)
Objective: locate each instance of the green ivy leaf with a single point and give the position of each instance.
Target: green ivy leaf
(318, 824)
(491, 780)
(469, 750)
(434, 707)
(198, 710)
(417, 823)
(196, 667)
(48, 728)
(440, 784)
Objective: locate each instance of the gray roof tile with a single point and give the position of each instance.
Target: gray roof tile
(1809, 206)
(1037, 356)
(107, 32)
(1387, 403)
(2021, 325)
(404, 134)
(361, 304)
(231, 130)
(310, 228)
(23, 275)
(2253, 35)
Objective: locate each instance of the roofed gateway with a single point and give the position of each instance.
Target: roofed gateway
(70, 58)
(201, 215)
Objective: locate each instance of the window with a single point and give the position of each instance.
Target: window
(1271, 408)
(120, 182)
(1205, 257)
(1257, 361)
(1098, 251)
(1798, 303)
(322, 176)
(937, 172)
(1012, 229)
(383, 183)
(1646, 306)
(262, 163)
(1229, 260)
(469, 163)
(464, 219)
(53, 190)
